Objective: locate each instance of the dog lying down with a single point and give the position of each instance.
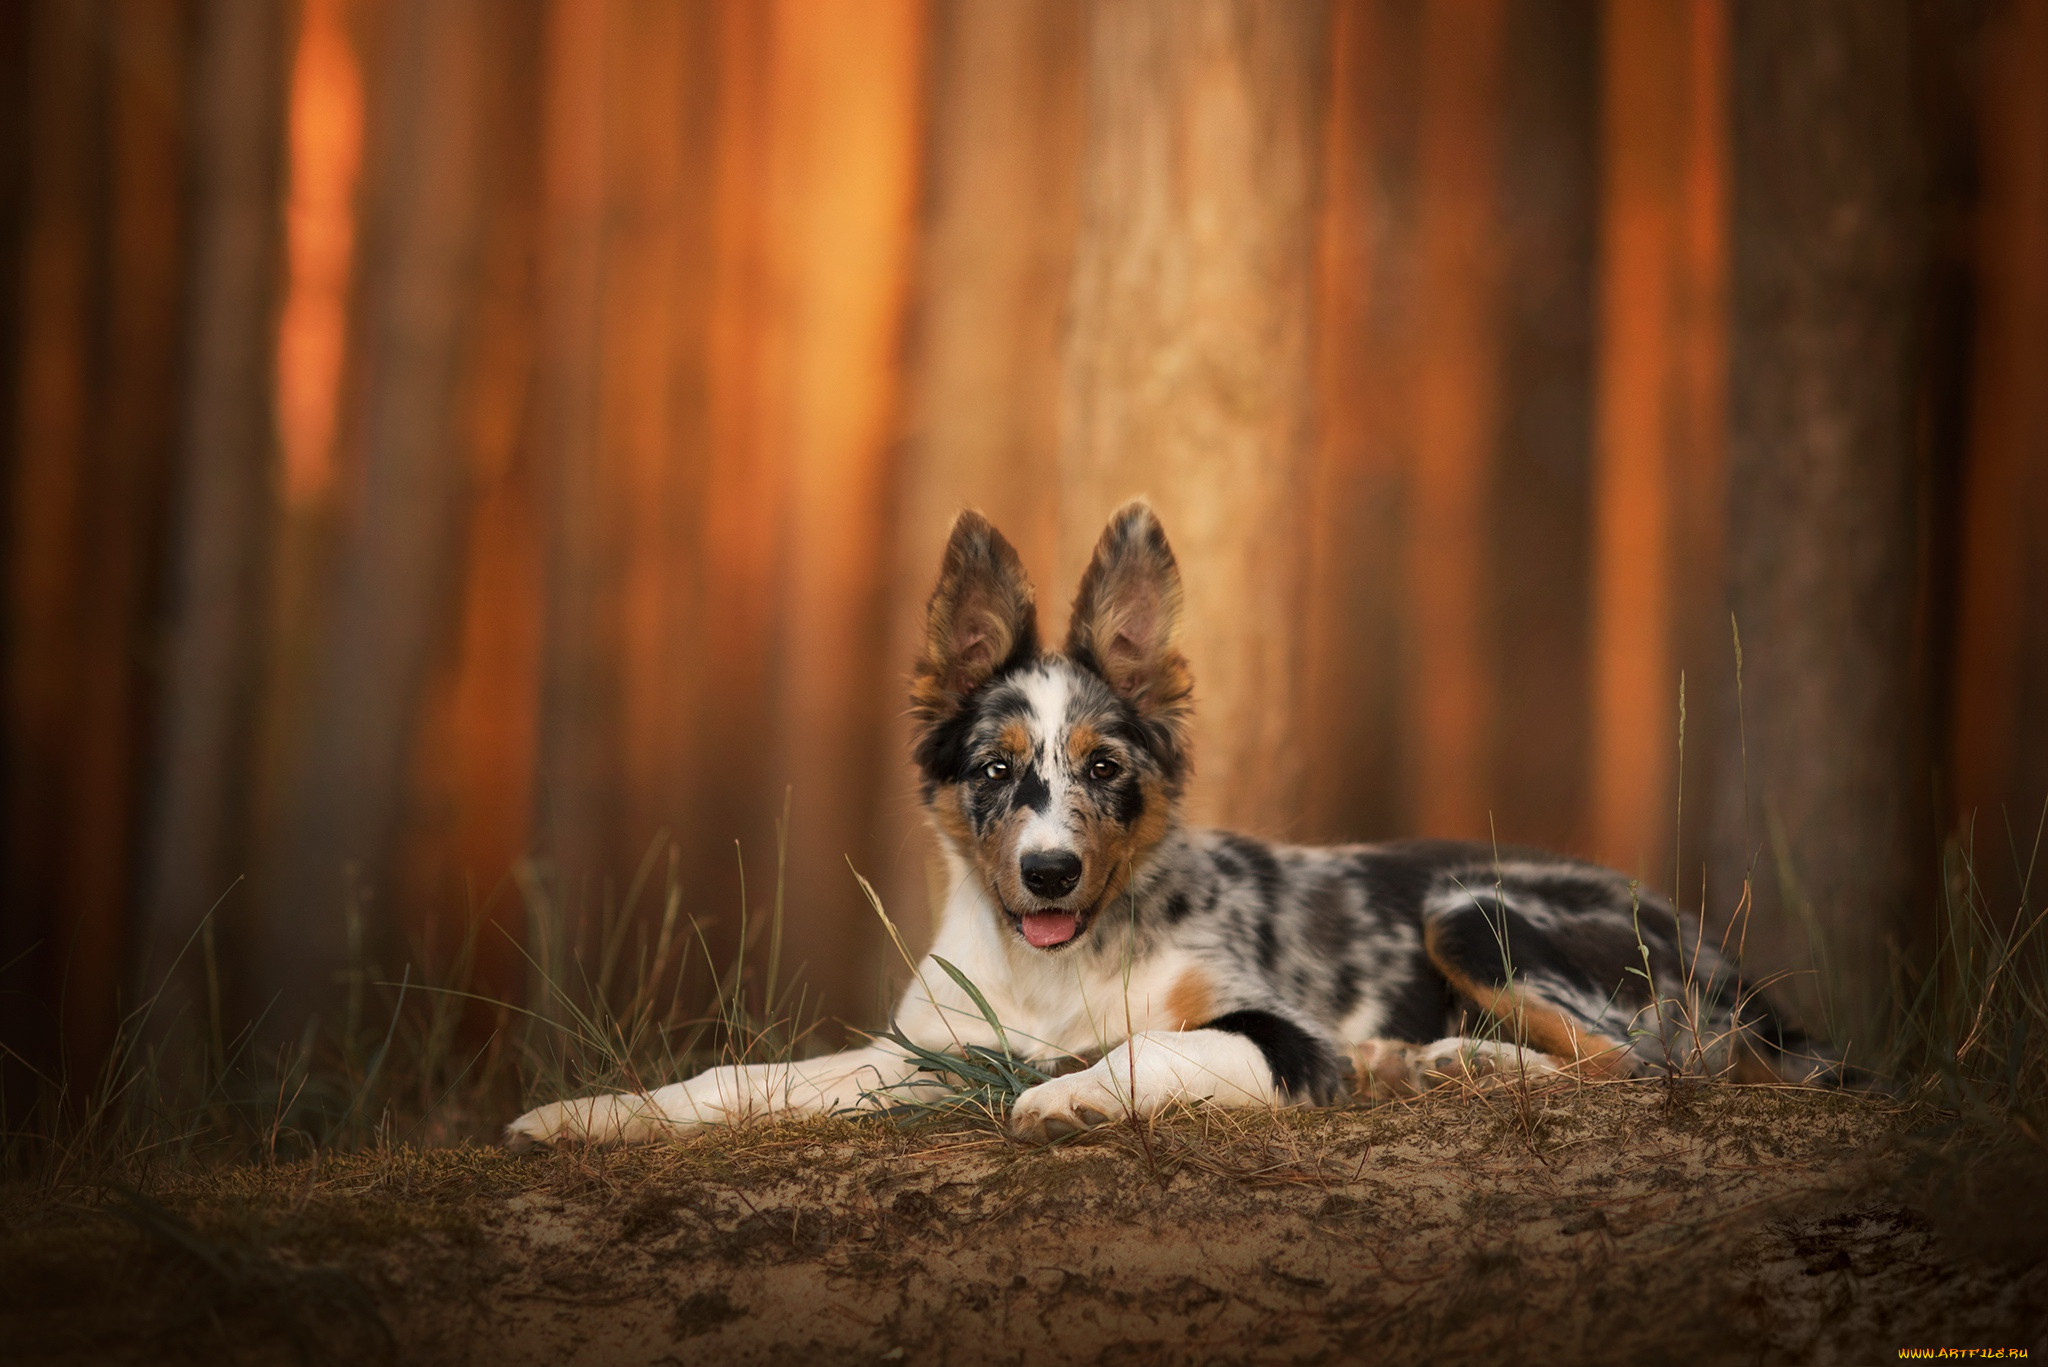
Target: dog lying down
(1200, 966)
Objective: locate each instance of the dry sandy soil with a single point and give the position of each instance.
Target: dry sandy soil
(1617, 1224)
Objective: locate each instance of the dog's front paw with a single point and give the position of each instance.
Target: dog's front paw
(542, 1127)
(1066, 1105)
(618, 1118)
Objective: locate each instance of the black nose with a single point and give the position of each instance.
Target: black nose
(1050, 873)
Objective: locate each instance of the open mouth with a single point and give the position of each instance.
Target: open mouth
(1053, 928)
(1046, 929)
(1049, 927)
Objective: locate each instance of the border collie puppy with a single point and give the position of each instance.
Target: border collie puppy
(1200, 966)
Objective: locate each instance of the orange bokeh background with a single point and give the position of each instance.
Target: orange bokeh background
(609, 370)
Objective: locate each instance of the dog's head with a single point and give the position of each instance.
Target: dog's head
(1052, 774)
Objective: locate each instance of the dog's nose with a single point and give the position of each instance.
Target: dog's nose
(1050, 873)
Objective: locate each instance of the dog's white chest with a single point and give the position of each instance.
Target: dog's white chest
(1082, 1001)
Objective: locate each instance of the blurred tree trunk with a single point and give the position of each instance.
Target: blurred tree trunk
(630, 206)
(18, 929)
(2000, 714)
(848, 103)
(1001, 207)
(91, 447)
(730, 198)
(1659, 484)
(1450, 687)
(1365, 438)
(1433, 393)
(124, 481)
(395, 568)
(473, 774)
(48, 448)
(741, 525)
(93, 431)
(576, 791)
(1189, 361)
(1452, 528)
(657, 298)
(221, 513)
(1834, 437)
(1538, 552)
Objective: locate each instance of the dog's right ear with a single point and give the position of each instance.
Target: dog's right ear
(981, 618)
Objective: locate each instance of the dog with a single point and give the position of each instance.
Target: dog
(1199, 966)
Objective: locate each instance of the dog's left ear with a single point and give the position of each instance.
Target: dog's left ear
(1126, 623)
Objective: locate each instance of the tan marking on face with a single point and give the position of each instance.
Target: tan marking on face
(1189, 1002)
(1015, 738)
(1535, 1021)
(1110, 851)
(1082, 741)
(1151, 827)
(994, 852)
(950, 817)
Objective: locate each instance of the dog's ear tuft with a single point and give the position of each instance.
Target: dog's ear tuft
(1126, 623)
(981, 618)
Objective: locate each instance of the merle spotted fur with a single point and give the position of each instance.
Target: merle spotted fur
(1380, 959)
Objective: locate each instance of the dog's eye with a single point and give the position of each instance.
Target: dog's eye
(996, 769)
(1103, 770)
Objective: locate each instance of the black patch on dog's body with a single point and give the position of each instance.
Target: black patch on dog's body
(1344, 992)
(1419, 1007)
(1303, 1066)
(1269, 942)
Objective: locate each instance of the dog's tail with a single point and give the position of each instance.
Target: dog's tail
(1792, 1055)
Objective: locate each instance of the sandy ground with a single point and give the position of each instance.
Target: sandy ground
(1618, 1224)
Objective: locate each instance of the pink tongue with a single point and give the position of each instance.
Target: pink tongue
(1047, 928)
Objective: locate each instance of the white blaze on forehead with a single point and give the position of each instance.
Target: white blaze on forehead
(1049, 692)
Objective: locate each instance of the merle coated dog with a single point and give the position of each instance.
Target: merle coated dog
(1199, 966)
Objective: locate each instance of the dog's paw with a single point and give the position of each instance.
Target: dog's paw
(1384, 1070)
(1482, 1063)
(1066, 1105)
(617, 1118)
(520, 1136)
(546, 1126)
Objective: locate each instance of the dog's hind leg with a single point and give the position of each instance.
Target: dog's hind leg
(1517, 984)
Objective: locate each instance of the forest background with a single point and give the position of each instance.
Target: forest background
(455, 453)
